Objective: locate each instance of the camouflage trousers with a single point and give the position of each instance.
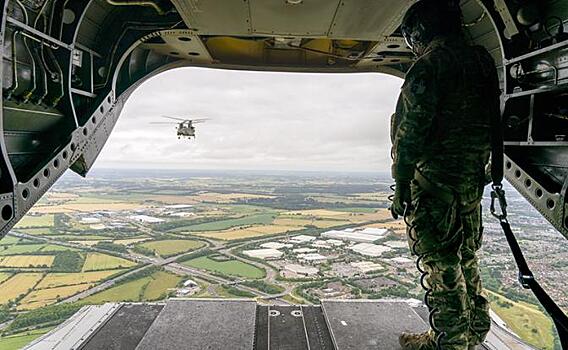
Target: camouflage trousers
(446, 239)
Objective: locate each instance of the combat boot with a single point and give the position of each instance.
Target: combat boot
(417, 341)
(472, 347)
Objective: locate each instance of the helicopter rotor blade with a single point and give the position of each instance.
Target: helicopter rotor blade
(197, 121)
(174, 118)
(169, 123)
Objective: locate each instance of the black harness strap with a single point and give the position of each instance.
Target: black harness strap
(527, 280)
(526, 277)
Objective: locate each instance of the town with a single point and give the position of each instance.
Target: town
(280, 238)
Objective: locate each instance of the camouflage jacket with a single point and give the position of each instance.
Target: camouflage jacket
(443, 118)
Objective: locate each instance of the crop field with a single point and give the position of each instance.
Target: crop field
(98, 261)
(231, 267)
(43, 297)
(20, 249)
(4, 276)
(40, 231)
(143, 289)
(18, 284)
(167, 248)
(53, 280)
(159, 285)
(261, 219)
(129, 241)
(9, 240)
(525, 320)
(35, 221)
(26, 260)
(56, 248)
(18, 341)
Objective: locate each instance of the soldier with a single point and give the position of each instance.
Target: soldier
(441, 145)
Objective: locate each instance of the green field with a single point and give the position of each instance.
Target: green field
(98, 261)
(148, 288)
(167, 248)
(263, 219)
(20, 249)
(526, 320)
(18, 341)
(36, 221)
(56, 248)
(9, 240)
(231, 267)
(41, 231)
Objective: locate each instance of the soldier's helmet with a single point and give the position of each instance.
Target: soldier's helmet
(428, 19)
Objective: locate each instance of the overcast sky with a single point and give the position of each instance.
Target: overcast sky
(258, 120)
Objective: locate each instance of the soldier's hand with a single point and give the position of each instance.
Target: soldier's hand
(401, 200)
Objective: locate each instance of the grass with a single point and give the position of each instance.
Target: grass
(41, 231)
(260, 219)
(29, 221)
(66, 279)
(9, 240)
(98, 261)
(20, 249)
(167, 248)
(526, 320)
(80, 237)
(231, 267)
(43, 297)
(56, 248)
(18, 341)
(26, 260)
(148, 288)
(17, 285)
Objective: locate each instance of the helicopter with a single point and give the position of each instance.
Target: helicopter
(185, 127)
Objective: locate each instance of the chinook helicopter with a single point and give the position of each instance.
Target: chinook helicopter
(185, 127)
(68, 68)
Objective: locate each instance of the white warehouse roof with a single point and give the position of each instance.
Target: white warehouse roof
(263, 253)
(370, 249)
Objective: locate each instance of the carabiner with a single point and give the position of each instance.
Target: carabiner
(499, 194)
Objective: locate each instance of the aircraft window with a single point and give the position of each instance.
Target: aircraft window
(7, 212)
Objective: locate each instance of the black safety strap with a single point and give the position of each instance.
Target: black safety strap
(527, 280)
(526, 277)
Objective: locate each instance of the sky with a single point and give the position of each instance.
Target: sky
(257, 121)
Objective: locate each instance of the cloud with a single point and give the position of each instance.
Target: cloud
(258, 120)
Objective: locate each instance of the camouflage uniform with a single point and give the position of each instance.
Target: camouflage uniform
(441, 131)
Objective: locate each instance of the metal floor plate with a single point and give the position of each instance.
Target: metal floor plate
(367, 325)
(202, 324)
(125, 329)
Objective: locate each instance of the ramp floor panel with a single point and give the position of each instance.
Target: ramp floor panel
(362, 325)
(125, 329)
(202, 324)
(286, 328)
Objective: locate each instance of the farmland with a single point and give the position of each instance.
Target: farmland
(17, 285)
(26, 260)
(167, 248)
(98, 261)
(103, 228)
(146, 288)
(226, 267)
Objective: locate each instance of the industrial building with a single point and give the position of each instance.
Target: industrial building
(350, 236)
(301, 270)
(302, 239)
(313, 258)
(146, 219)
(276, 245)
(266, 253)
(370, 249)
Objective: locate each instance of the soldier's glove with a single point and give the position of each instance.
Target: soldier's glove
(401, 199)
